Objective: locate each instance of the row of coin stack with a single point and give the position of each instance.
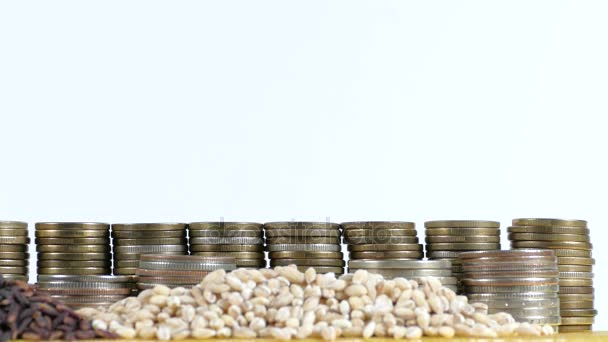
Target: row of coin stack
(14, 256)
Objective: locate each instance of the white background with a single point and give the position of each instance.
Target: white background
(129, 111)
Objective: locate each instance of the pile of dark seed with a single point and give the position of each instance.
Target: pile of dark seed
(29, 314)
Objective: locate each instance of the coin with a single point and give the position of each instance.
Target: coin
(576, 297)
(547, 237)
(512, 289)
(14, 255)
(225, 226)
(13, 269)
(548, 230)
(225, 233)
(524, 297)
(13, 232)
(236, 255)
(72, 241)
(552, 244)
(144, 234)
(303, 240)
(168, 280)
(14, 248)
(574, 328)
(173, 273)
(305, 255)
(20, 277)
(576, 290)
(300, 225)
(462, 246)
(147, 226)
(90, 291)
(501, 255)
(514, 281)
(462, 231)
(72, 225)
(304, 248)
(226, 240)
(152, 266)
(73, 256)
(541, 320)
(73, 248)
(577, 320)
(378, 225)
(354, 233)
(76, 264)
(226, 248)
(527, 312)
(307, 262)
(461, 224)
(84, 285)
(85, 278)
(575, 261)
(406, 273)
(322, 269)
(385, 247)
(75, 271)
(531, 273)
(13, 225)
(587, 275)
(155, 241)
(443, 254)
(87, 300)
(253, 263)
(386, 255)
(136, 256)
(72, 233)
(572, 253)
(150, 248)
(578, 312)
(576, 305)
(126, 263)
(125, 270)
(382, 240)
(548, 222)
(14, 262)
(462, 238)
(576, 282)
(519, 303)
(401, 264)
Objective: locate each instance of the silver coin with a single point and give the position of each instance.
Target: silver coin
(519, 303)
(584, 275)
(226, 240)
(86, 278)
(150, 248)
(83, 285)
(226, 233)
(527, 312)
(304, 248)
(401, 264)
(513, 289)
(86, 299)
(182, 266)
(406, 273)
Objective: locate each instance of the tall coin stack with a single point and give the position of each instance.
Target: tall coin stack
(14, 256)
(305, 244)
(382, 240)
(178, 270)
(523, 283)
(569, 240)
(131, 240)
(87, 291)
(446, 239)
(73, 248)
(243, 241)
(409, 269)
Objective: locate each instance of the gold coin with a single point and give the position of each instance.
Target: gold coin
(72, 233)
(74, 263)
(74, 271)
(137, 255)
(575, 268)
(125, 270)
(236, 255)
(575, 328)
(13, 232)
(227, 248)
(147, 226)
(126, 263)
(72, 241)
(13, 225)
(577, 320)
(576, 297)
(578, 312)
(462, 238)
(14, 255)
(305, 255)
(549, 222)
(575, 261)
(462, 246)
(548, 230)
(300, 225)
(73, 256)
(307, 262)
(462, 231)
(385, 247)
(72, 225)
(378, 225)
(225, 234)
(14, 269)
(251, 263)
(157, 241)
(14, 248)
(144, 234)
(576, 290)
(579, 253)
(14, 240)
(547, 237)
(386, 255)
(552, 244)
(518, 254)
(224, 226)
(462, 224)
(14, 262)
(576, 305)
(576, 282)
(73, 248)
(380, 233)
(306, 239)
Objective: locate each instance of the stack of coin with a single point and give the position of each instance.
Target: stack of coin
(407, 268)
(382, 240)
(569, 240)
(446, 239)
(178, 270)
(14, 258)
(305, 244)
(524, 283)
(87, 291)
(244, 241)
(73, 248)
(130, 240)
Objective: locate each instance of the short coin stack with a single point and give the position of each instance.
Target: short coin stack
(382, 240)
(569, 240)
(87, 291)
(134, 239)
(446, 239)
(73, 248)
(178, 270)
(244, 241)
(523, 283)
(305, 244)
(14, 258)
(409, 269)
